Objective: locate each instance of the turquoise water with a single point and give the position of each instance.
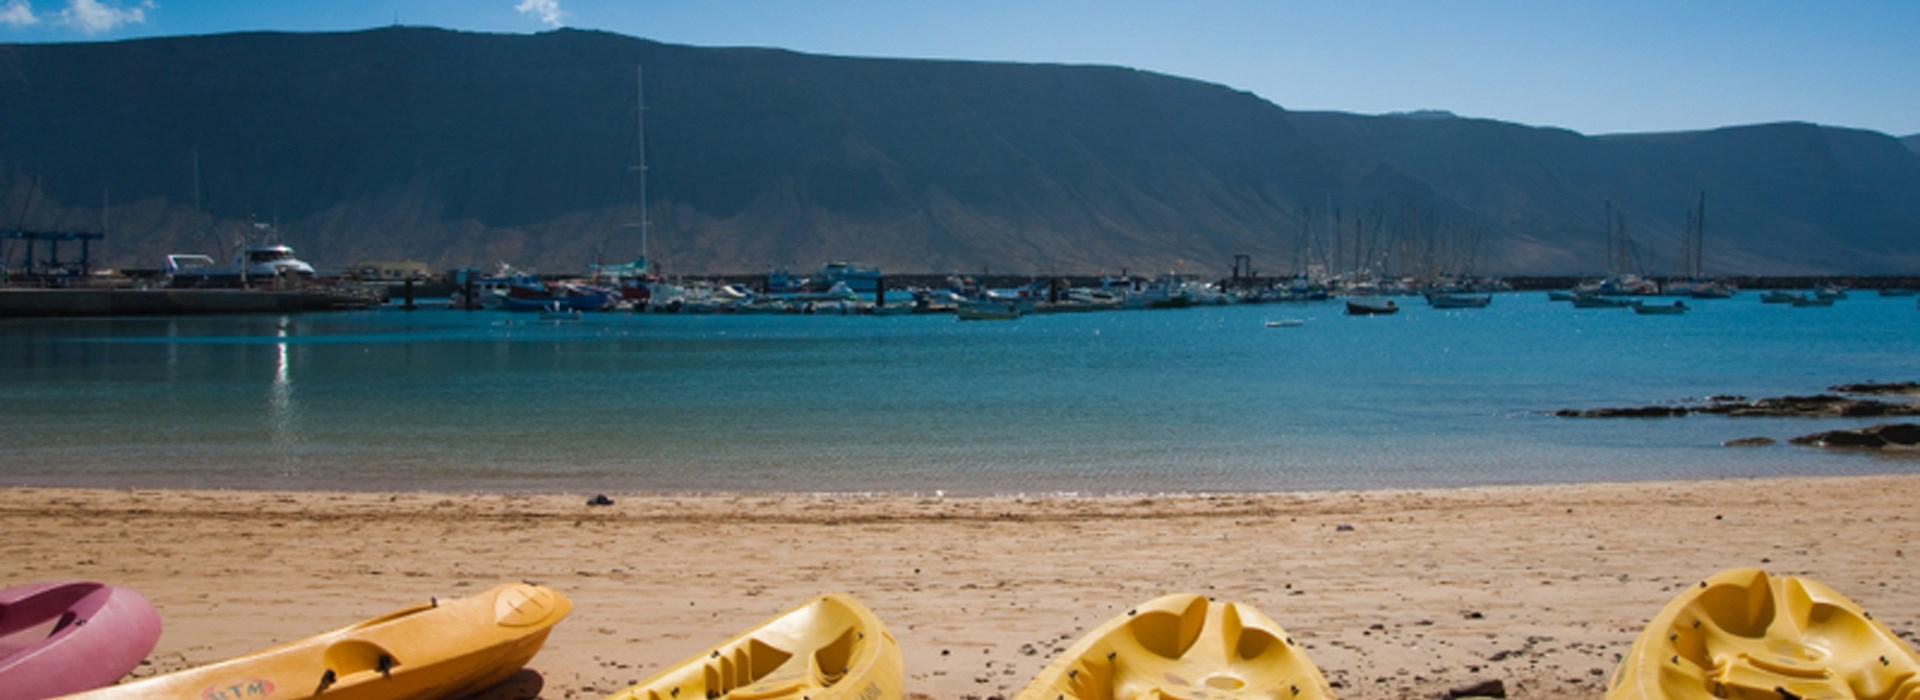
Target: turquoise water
(1206, 399)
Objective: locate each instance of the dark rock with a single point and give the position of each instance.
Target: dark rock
(1875, 437)
(1877, 388)
(600, 500)
(1748, 442)
(1820, 406)
(1343, 527)
(1484, 689)
(1639, 412)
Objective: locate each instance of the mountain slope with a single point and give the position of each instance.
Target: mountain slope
(458, 148)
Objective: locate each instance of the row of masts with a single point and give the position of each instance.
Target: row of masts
(1624, 259)
(1369, 248)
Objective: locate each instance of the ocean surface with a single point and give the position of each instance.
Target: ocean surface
(1192, 400)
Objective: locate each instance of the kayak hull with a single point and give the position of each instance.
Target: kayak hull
(830, 648)
(1182, 646)
(444, 648)
(1743, 634)
(70, 636)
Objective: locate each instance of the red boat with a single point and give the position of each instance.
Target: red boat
(70, 636)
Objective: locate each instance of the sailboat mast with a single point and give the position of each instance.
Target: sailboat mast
(640, 138)
(1700, 237)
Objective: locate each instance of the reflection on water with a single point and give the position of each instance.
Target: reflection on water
(280, 410)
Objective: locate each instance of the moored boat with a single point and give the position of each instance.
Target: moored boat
(444, 648)
(830, 648)
(1776, 296)
(1813, 301)
(1674, 309)
(529, 294)
(1744, 634)
(254, 265)
(986, 311)
(1450, 300)
(71, 636)
(1182, 646)
(1596, 301)
(862, 279)
(1371, 306)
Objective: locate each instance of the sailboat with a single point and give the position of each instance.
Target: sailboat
(635, 280)
(1698, 285)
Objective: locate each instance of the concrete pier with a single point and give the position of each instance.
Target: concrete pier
(22, 303)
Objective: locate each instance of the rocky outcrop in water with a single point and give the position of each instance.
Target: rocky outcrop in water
(1873, 388)
(1816, 406)
(1890, 435)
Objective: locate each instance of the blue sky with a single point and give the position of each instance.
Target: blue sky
(1601, 66)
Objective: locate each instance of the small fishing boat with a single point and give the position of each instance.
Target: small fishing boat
(1776, 296)
(830, 648)
(1448, 300)
(1182, 646)
(986, 311)
(529, 294)
(71, 636)
(1371, 306)
(1674, 309)
(1287, 323)
(1596, 301)
(1744, 634)
(443, 648)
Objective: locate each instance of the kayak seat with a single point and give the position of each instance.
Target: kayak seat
(1747, 635)
(349, 659)
(1190, 648)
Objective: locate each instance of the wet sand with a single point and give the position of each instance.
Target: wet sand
(1540, 587)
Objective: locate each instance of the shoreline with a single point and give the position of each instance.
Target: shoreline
(1394, 593)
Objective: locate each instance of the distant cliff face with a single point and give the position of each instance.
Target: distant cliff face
(1912, 142)
(460, 149)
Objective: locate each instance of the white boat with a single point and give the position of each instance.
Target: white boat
(258, 264)
(1780, 297)
(1286, 323)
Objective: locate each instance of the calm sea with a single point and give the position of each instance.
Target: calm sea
(1194, 400)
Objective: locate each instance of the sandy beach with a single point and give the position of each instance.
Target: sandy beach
(1395, 594)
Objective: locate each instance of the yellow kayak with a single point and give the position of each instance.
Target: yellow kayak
(1744, 635)
(445, 648)
(1182, 647)
(831, 648)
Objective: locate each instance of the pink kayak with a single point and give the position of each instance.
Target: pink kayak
(68, 636)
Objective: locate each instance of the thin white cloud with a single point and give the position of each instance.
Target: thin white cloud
(94, 17)
(547, 11)
(18, 13)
